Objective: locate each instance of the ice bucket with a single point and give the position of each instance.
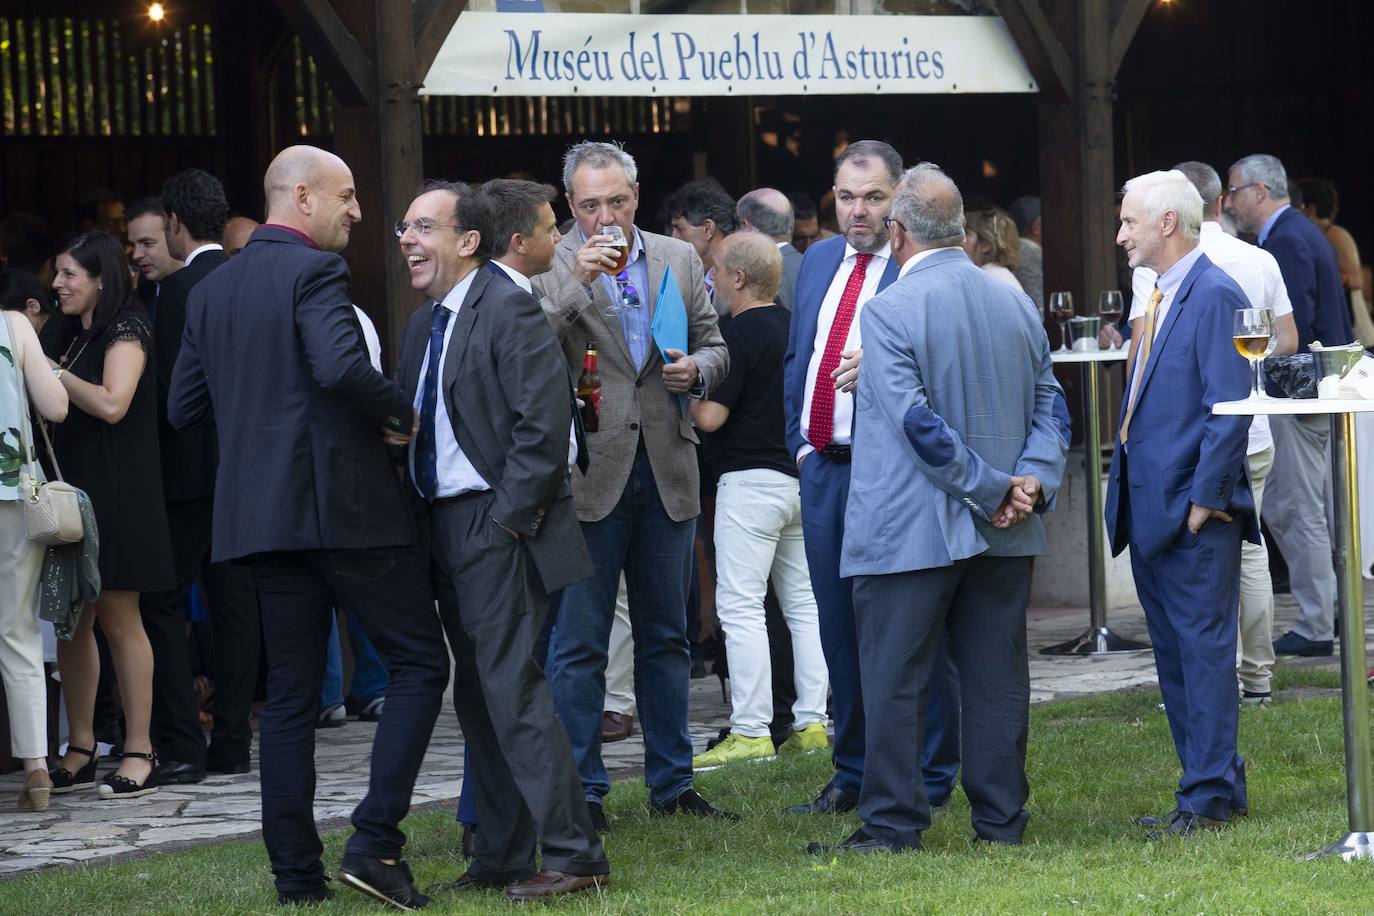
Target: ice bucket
(1332, 365)
(1083, 331)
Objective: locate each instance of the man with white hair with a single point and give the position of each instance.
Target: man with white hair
(1178, 495)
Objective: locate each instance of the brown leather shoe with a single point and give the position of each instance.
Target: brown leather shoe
(616, 726)
(550, 883)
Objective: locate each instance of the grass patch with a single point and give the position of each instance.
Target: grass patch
(1094, 764)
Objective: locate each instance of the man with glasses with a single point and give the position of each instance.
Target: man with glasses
(837, 277)
(1258, 200)
(640, 499)
(490, 462)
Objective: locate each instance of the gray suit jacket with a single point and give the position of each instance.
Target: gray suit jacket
(634, 402)
(791, 264)
(956, 396)
(507, 394)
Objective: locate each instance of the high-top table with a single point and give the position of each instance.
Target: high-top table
(1359, 786)
(1098, 639)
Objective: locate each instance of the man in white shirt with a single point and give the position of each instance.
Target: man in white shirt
(837, 276)
(1257, 274)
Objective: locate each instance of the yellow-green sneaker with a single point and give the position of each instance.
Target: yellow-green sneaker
(734, 747)
(811, 738)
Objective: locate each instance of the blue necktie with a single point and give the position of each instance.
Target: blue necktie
(426, 451)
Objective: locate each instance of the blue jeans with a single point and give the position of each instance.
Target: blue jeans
(655, 553)
(369, 674)
(331, 691)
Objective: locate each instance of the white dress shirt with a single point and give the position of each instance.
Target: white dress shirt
(844, 401)
(457, 475)
(208, 246)
(523, 282)
(370, 339)
(1255, 272)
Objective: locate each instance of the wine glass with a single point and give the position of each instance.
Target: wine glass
(1061, 308)
(1253, 332)
(1110, 307)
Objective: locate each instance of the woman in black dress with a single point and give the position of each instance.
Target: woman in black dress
(108, 447)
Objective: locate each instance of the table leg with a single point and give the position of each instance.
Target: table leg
(1098, 639)
(1359, 786)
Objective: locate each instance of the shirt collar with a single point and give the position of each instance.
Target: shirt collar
(296, 232)
(454, 300)
(917, 258)
(885, 252)
(520, 279)
(1169, 281)
(1269, 223)
(209, 246)
(1212, 227)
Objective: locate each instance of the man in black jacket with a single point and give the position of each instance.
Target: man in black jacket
(196, 209)
(306, 493)
(490, 459)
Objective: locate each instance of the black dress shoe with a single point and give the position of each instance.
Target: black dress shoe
(306, 898)
(1187, 824)
(689, 802)
(468, 881)
(174, 772)
(832, 800)
(859, 841)
(1152, 822)
(389, 884)
(227, 769)
(1291, 643)
(598, 816)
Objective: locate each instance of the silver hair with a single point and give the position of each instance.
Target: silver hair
(1171, 190)
(1266, 170)
(598, 155)
(929, 206)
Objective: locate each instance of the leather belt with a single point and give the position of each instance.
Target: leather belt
(836, 453)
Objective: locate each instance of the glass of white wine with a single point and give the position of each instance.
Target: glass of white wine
(1253, 332)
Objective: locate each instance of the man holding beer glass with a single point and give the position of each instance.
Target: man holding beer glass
(640, 498)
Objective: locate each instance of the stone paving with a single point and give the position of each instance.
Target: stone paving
(80, 828)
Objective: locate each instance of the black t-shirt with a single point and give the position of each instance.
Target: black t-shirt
(754, 435)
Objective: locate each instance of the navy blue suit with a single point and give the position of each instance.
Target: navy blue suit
(1313, 279)
(306, 493)
(1179, 454)
(824, 494)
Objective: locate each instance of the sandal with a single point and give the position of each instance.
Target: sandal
(37, 788)
(64, 780)
(116, 786)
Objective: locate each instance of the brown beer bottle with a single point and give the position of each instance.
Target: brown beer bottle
(589, 390)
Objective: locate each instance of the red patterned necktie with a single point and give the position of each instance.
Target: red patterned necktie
(822, 426)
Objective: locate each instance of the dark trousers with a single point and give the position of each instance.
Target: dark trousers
(824, 492)
(388, 588)
(1191, 596)
(233, 605)
(980, 604)
(525, 785)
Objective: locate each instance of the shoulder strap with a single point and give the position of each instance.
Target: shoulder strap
(25, 419)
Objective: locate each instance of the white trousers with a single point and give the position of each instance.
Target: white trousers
(21, 643)
(620, 658)
(758, 537)
(1255, 647)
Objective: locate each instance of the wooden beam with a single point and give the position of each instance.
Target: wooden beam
(1123, 32)
(1049, 62)
(345, 65)
(432, 20)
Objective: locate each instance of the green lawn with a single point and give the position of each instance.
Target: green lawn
(1094, 764)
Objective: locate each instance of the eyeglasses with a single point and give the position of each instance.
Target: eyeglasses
(889, 221)
(1233, 191)
(422, 227)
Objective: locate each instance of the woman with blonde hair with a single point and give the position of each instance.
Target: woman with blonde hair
(24, 379)
(992, 242)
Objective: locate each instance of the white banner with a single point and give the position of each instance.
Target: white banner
(601, 54)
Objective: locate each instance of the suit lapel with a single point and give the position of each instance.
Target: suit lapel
(462, 329)
(413, 350)
(890, 273)
(1175, 309)
(807, 308)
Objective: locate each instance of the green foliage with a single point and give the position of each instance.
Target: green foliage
(1094, 764)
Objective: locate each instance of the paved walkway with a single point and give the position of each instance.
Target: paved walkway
(81, 828)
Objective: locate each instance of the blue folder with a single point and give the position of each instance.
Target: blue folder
(669, 325)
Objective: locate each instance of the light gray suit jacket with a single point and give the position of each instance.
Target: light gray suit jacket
(956, 395)
(791, 264)
(634, 401)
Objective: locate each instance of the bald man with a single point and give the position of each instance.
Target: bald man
(306, 494)
(237, 232)
(767, 210)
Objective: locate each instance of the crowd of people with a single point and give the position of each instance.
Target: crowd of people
(816, 467)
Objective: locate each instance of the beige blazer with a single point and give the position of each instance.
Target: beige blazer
(634, 403)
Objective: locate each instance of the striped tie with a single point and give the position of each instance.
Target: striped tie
(1142, 358)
